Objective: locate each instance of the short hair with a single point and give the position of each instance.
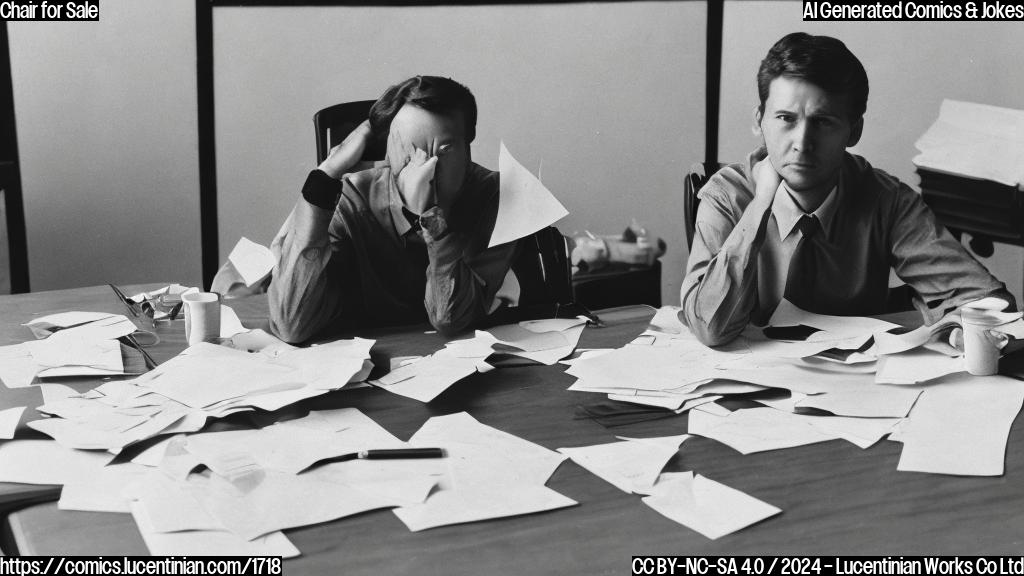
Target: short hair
(821, 60)
(431, 93)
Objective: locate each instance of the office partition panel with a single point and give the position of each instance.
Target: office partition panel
(604, 101)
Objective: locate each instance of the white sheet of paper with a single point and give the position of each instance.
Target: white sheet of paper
(914, 366)
(425, 379)
(253, 261)
(110, 327)
(880, 402)
(862, 432)
(208, 542)
(17, 369)
(447, 507)
(629, 464)
(479, 454)
(524, 204)
(65, 319)
(279, 501)
(669, 367)
(582, 354)
(960, 426)
(9, 419)
(56, 351)
(787, 314)
(229, 322)
(708, 507)
(527, 340)
(207, 373)
(102, 492)
(294, 445)
(553, 355)
(755, 429)
(975, 140)
(47, 462)
(56, 392)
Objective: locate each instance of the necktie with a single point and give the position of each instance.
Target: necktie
(805, 267)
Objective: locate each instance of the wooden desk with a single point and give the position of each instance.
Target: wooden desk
(836, 498)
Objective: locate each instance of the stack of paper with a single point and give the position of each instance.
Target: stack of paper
(542, 341)
(977, 141)
(205, 381)
(70, 344)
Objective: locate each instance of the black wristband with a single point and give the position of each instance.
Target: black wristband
(321, 190)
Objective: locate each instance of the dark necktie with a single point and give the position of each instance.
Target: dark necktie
(805, 268)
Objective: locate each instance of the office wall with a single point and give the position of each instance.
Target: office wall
(608, 97)
(911, 67)
(106, 121)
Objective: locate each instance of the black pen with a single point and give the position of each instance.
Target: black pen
(397, 453)
(383, 454)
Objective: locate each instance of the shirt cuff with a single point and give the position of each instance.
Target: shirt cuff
(321, 190)
(433, 223)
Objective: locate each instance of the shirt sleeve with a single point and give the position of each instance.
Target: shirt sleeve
(928, 258)
(460, 286)
(305, 295)
(719, 291)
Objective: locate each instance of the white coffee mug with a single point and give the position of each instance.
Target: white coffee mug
(202, 317)
(981, 347)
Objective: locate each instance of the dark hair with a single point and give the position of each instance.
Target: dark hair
(821, 60)
(433, 94)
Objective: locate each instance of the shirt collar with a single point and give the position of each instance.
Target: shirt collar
(788, 213)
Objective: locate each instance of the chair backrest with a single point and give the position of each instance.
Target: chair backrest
(334, 123)
(695, 180)
(543, 268)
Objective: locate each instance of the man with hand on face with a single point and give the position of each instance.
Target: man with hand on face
(400, 243)
(804, 220)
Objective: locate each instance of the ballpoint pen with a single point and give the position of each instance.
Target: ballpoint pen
(384, 454)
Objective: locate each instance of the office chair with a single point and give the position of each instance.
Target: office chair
(544, 271)
(334, 123)
(541, 264)
(899, 299)
(696, 178)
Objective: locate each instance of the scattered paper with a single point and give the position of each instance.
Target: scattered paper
(47, 462)
(9, 419)
(914, 366)
(252, 261)
(209, 542)
(706, 506)
(629, 465)
(428, 377)
(960, 426)
(880, 402)
(787, 314)
(101, 492)
(755, 429)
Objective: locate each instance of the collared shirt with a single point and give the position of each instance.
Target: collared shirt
(781, 241)
(878, 223)
(368, 262)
